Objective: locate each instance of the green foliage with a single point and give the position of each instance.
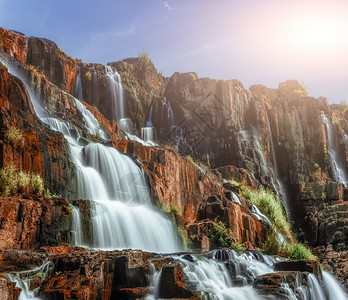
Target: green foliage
(323, 196)
(7, 180)
(294, 250)
(316, 165)
(174, 210)
(190, 158)
(300, 251)
(235, 183)
(144, 59)
(14, 136)
(219, 234)
(238, 246)
(344, 103)
(300, 92)
(193, 75)
(13, 181)
(50, 195)
(36, 184)
(23, 182)
(36, 72)
(268, 203)
(88, 75)
(78, 61)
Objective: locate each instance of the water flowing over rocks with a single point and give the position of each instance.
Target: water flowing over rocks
(277, 138)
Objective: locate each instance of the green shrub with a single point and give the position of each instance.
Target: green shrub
(36, 184)
(301, 93)
(7, 180)
(144, 59)
(238, 246)
(23, 182)
(88, 75)
(14, 136)
(50, 195)
(300, 251)
(219, 234)
(268, 203)
(14, 181)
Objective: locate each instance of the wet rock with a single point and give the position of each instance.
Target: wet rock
(171, 285)
(273, 283)
(303, 265)
(8, 291)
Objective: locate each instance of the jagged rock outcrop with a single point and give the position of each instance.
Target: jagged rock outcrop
(192, 190)
(273, 137)
(34, 222)
(42, 54)
(39, 149)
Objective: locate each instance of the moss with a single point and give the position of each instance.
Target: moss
(190, 158)
(50, 195)
(14, 136)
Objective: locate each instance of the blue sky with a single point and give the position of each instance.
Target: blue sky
(254, 41)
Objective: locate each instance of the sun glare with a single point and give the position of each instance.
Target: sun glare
(319, 33)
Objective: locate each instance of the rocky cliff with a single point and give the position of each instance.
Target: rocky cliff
(208, 132)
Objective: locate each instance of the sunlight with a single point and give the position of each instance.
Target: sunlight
(320, 33)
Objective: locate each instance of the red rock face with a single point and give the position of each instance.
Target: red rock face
(44, 55)
(177, 182)
(39, 151)
(30, 223)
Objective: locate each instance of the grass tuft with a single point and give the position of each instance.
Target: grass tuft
(13, 181)
(14, 136)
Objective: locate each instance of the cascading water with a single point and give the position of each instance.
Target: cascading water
(116, 92)
(123, 217)
(117, 99)
(147, 134)
(122, 213)
(224, 274)
(23, 279)
(339, 171)
(78, 86)
(265, 169)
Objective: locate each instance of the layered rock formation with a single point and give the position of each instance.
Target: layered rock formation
(278, 138)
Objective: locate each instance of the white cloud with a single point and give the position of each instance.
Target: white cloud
(166, 4)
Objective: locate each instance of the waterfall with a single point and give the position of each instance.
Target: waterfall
(280, 186)
(338, 168)
(266, 170)
(116, 93)
(147, 134)
(122, 212)
(23, 279)
(123, 217)
(225, 274)
(333, 289)
(76, 228)
(78, 86)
